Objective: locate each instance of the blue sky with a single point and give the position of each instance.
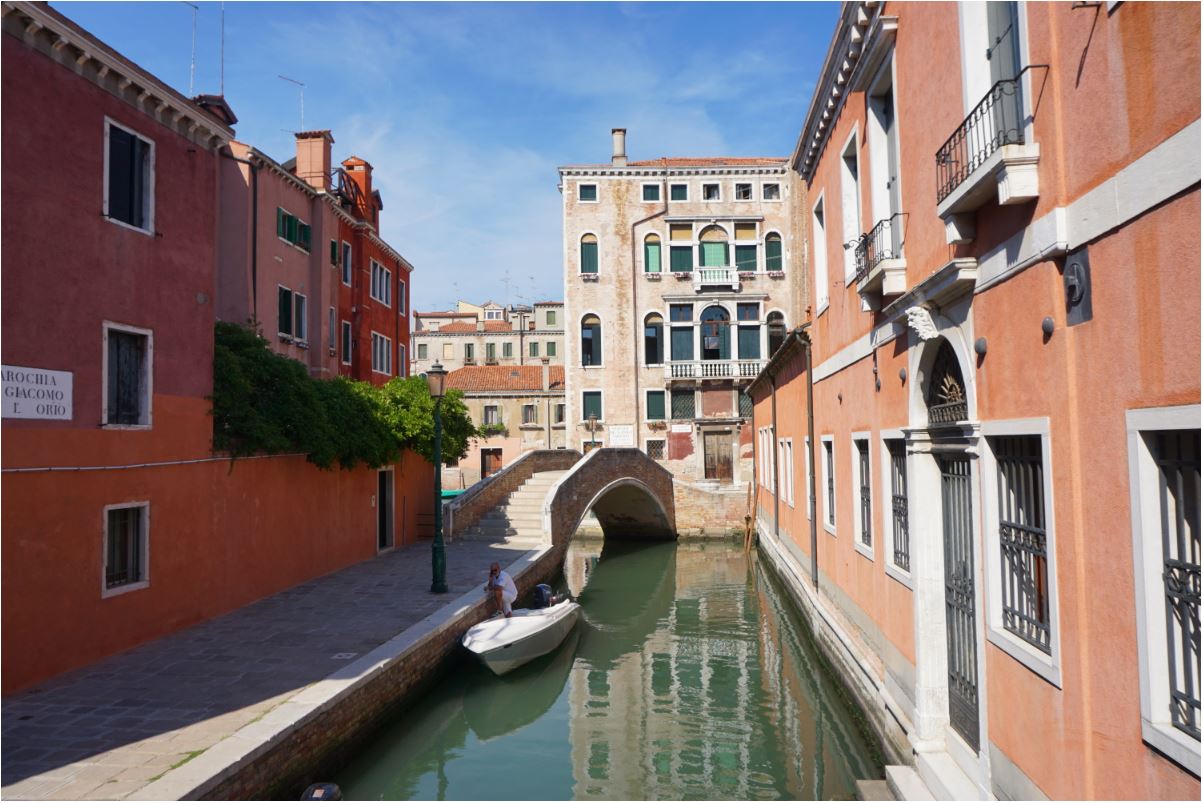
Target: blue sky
(466, 109)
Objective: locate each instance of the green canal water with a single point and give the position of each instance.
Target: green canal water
(690, 676)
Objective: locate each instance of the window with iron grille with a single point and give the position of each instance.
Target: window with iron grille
(655, 448)
(865, 501)
(125, 546)
(1023, 540)
(682, 403)
(745, 405)
(127, 378)
(902, 538)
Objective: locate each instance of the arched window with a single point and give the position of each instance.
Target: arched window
(712, 248)
(716, 334)
(776, 323)
(651, 254)
(945, 395)
(772, 252)
(589, 253)
(591, 345)
(653, 339)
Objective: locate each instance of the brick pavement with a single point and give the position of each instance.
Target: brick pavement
(105, 731)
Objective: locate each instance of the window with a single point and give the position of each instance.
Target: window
(492, 315)
(819, 237)
(334, 252)
(655, 448)
(591, 404)
(346, 263)
(710, 192)
(678, 192)
(330, 328)
(125, 548)
(745, 405)
(507, 350)
(651, 192)
(586, 193)
(551, 317)
(806, 469)
(655, 405)
(716, 333)
(346, 344)
(127, 376)
(284, 310)
(534, 348)
(559, 414)
(900, 530)
(712, 248)
(682, 402)
(771, 192)
(129, 177)
(745, 258)
(400, 296)
(776, 324)
(589, 253)
(382, 354)
(651, 254)
(492, 414)
(421, 351)
(490, 352)
(530, 414)
(863, 503)
(292, 229)
(743, 192)
(402, 365)
(850, 204)
(680, 251)
(680, 313)
(829, 484)
(653, 339)
(591, 345)
(749, 332)
(469, 352)
(448, 351)
(786, 467)
(300, 320)
(382, 283)
(772, 253)
(551, 348)
(1163, 465)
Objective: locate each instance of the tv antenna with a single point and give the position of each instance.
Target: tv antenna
(192, 72)
(302, 86)
(223, 48)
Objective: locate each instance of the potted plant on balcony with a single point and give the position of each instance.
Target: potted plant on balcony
(652, 276)
(683, 275)
(776, 274)
(745, 275)
(489, 430)
(657, 425)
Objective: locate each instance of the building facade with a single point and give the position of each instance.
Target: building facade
(517, 408)
(997, 504)
(489, 334)
(677, 288)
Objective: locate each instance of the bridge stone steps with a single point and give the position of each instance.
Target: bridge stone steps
(519, 519)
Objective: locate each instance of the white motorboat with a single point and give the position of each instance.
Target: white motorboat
(504, 644)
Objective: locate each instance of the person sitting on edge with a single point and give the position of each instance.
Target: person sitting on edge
(502, 587)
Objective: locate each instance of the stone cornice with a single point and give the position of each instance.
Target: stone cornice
(657, 172)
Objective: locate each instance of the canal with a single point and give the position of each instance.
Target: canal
(690, 676)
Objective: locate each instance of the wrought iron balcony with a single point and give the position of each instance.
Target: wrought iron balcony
(713, 369)
(716, 277)
(880, 269)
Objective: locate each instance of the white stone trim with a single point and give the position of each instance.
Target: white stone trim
(829, 519)
(149, 229)
(144, 582)
(867, 438)
(887, 493)
(148, 389)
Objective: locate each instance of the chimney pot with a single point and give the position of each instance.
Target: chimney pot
(546, 374)
(619, 157)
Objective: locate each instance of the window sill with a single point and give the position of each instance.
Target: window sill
(588, 277)
(1176, 746)
(902, 576)
(652, 276)
(591, 367)
(117, 591)
(830, 528)
(130, 427)
(1038, 662)
(776, 274)
(148, 232)
(864, 551)
(531, 427)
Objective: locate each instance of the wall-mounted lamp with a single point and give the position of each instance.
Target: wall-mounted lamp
(902, 374)
(1047, 326)
(979, 346)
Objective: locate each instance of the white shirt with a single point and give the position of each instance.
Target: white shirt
(508, 589)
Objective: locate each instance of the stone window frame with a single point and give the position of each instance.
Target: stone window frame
(148, 375)
(886, 480)
(866, 438)
(144, 537)
(643, 188)
(827, 467)
(780, 194)
(684, 184)
(148, 189)
(751, 187)
(580, 185)
(601, 398)
(646, 407)
(664, 445)
(715, 200)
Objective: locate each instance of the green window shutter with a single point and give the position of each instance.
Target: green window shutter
(290, 223)
(551, 348)
(680, 258)
(749, 342)
(588, 192)
(490, 351)
(588, 257)
(304, 235)
(745, 257)
(284, 312)
(551, 318)
(651, 257)
(334, 252)
(678, 192)
(772, 255)
(534, 348)
(592, 404)
(281, 225)
(421, 351)
(507, 349)
(651, 192)
(655, 405)
(682, 343)
(713, 255)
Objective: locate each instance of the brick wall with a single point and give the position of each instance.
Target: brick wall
(638, 515)
(467, 509)
(706, 512)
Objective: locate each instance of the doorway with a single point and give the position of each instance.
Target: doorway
(960, 597)
(384, 509)
(716, 449)
(490, 462)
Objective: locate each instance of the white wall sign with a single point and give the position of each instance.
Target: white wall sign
(622, 435)
(682, 428)
(36, 393)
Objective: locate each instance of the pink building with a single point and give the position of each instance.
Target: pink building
(995, 516)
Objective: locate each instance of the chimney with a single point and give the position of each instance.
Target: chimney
(313, 158)
(546, 374)
(480, 325)
(360, 173)
(619, 158)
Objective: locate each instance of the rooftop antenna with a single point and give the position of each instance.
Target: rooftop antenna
(302, 86)
(223, 48)
(192, 72)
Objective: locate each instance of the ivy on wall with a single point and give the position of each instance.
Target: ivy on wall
(265, 403)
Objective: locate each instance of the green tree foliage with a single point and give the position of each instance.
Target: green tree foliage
(265, 403)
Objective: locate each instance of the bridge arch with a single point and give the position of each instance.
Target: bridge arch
(631, 495)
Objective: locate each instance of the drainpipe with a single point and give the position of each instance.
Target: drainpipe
(254, 230)
(634, 286)
(804, 338)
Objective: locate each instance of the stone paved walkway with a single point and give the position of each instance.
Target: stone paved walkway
(107, 730)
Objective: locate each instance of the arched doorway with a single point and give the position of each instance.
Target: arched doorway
(716, 333)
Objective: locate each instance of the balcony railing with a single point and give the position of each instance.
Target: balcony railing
(716, 277)
(997, 120)
(713, 369)
(881, 242)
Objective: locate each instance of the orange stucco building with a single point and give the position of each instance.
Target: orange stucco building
(1002, 358)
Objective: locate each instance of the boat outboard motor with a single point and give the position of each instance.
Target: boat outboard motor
(543, 596)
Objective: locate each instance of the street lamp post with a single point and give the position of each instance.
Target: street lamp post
(592, 431)
(435, 378)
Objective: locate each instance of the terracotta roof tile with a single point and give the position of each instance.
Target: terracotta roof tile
(490, 326)
(448, 313)
(549, 303)
(504, 377)
(709, 161)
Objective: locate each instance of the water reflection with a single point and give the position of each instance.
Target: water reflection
(690, 677)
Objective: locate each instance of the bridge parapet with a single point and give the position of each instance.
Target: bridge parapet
(631, 495)
(466, 509)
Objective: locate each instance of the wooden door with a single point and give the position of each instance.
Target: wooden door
(490, 462)
(716, 448)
